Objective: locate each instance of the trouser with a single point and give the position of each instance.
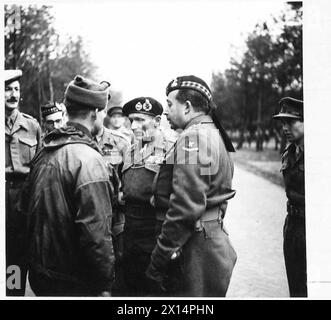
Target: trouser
(16, 246)
(204, 267)
(295, 255)
(138, 243)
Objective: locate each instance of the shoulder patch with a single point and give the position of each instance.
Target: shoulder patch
(190, 146)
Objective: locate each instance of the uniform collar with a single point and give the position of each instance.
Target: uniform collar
(201, 118)
(80, 127)
(19, 122)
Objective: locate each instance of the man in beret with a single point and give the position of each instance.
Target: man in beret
(193, 255)
(22, 135)
(115, 122)
(52, 117)
(68, 199)
(291, 117)
(140, 167)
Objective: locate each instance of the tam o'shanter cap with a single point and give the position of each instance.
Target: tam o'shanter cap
(12, 75)
(50, 108)
(145, 105)
(290, 108)
(85, 93)
(190, 82)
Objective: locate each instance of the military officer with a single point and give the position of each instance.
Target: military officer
(22, 133)
(291, 116)
(52, 116)
(193, 255)
(140, 167)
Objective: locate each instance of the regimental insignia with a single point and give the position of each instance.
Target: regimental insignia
(147, 106)
(174, 83)
(190, 147)
(139, 106)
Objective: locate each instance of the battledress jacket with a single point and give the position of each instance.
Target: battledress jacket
(67, 196)
(192, 189)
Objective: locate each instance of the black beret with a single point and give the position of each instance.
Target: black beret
(145, 105)
(50, 108)
(114, 110)
(290, 108)
(190, 82)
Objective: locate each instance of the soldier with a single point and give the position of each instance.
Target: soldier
(115, 122)
(140, 167)
(22, 133)
(113, 146)
(52, 117)
(68, 200)
(193, 255)
(291, 116)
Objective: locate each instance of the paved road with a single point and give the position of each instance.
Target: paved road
(255, 220)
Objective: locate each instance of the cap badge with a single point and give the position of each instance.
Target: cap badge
(174, 83)
(139, 106)
(147, 106)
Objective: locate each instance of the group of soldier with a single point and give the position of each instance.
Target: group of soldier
(99, 211)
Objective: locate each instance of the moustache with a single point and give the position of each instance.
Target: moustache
(12, 100)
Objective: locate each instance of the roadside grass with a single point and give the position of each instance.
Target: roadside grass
(264, 163)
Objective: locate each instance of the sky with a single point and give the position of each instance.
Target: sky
(140, 46)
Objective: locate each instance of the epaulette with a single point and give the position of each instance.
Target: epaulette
(28, 116)
(192, 128)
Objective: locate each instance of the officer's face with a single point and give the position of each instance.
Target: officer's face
(12, 95)
(53, 121)
(175, 112)
(142, 125)
(116, 121)
(293, 129)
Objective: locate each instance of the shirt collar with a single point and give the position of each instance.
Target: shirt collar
(201, 118)
(19, 121)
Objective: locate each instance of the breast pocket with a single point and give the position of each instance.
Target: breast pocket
(28, 148)
(112, 155)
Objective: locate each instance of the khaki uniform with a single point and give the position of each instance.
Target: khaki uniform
(191, 193)
(22, 141)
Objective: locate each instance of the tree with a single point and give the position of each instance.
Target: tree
(33, 45)
(271, 67)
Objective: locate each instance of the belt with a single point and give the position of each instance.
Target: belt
(139, 211)
(211, 214)
(296, 211)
